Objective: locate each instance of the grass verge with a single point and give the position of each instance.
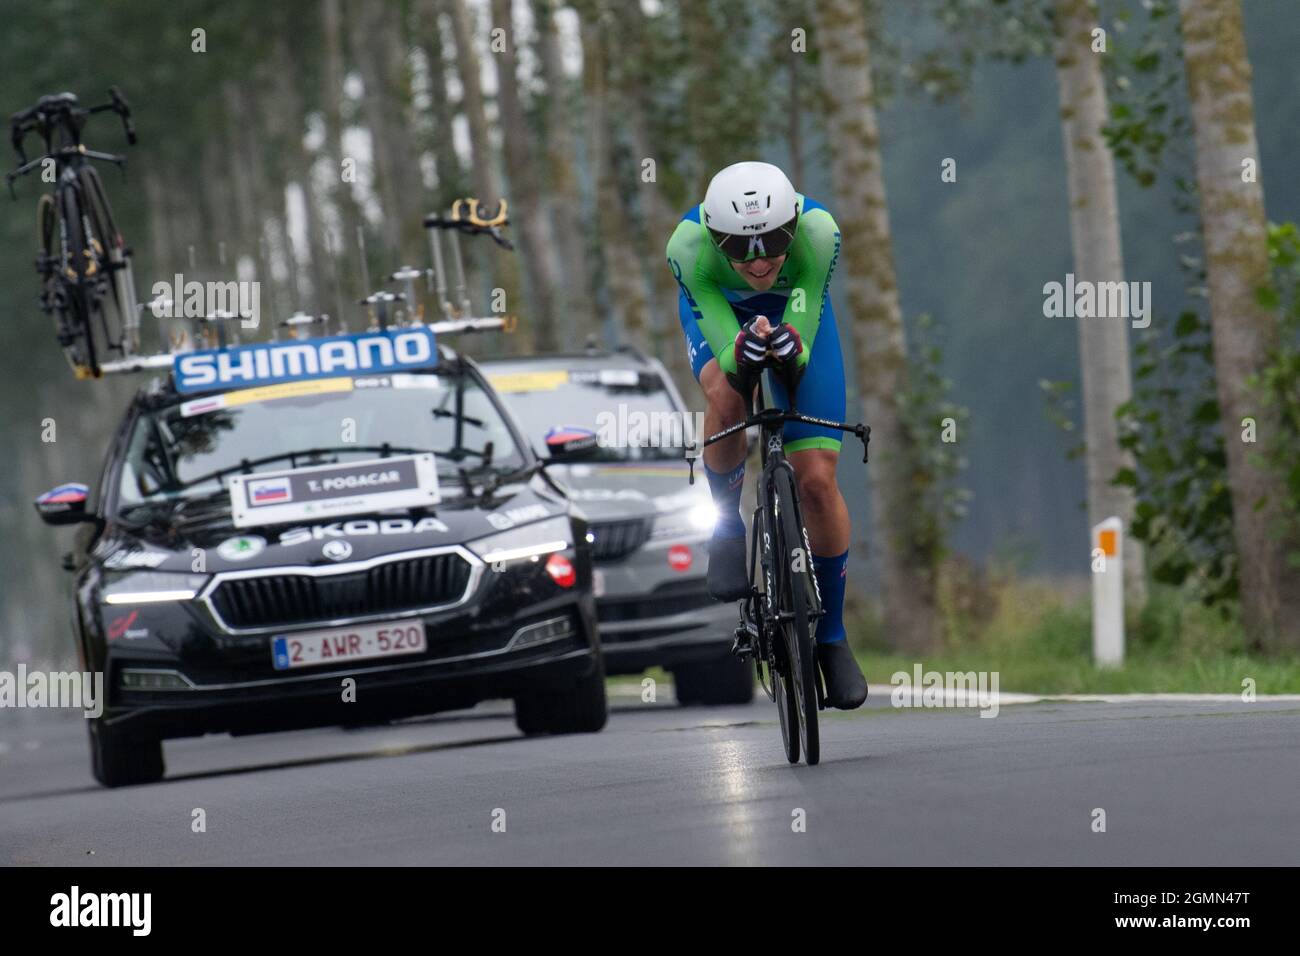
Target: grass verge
(1037, 635)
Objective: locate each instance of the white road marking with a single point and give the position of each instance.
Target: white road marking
(1007, 697)
(633, 690)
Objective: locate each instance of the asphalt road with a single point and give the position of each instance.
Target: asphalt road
(1199, 783)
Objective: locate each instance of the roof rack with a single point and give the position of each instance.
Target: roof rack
(300, 325)
(220, 330)
(633, 350)
(469, 223)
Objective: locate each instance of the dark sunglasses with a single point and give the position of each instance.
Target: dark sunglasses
(765, 245)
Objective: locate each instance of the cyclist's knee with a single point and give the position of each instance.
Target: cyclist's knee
(815, 472)
(722, 398)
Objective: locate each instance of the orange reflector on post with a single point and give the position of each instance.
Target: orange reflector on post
(1108, 593)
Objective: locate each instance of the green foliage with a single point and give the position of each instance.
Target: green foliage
(1171, 427)
(942, 66)
(1278, 383)
(1172, 424)
(930, 417)
(1145, 89)
(1059, 407)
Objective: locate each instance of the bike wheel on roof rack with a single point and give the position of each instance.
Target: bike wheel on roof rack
(77, 275)
(117, 316)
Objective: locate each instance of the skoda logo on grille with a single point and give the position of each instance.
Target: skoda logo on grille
(337, 550)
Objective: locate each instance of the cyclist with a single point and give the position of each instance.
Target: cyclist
(754, 264)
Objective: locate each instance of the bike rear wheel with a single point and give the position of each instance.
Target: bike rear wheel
(69, 282)
(797, 597)
(119, 320)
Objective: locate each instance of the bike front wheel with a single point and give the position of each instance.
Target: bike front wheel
(798, 597)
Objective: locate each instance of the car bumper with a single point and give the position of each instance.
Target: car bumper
(664, 627)
(475, 664)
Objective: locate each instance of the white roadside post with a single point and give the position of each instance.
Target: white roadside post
(1108, 593)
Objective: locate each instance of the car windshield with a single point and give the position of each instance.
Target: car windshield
(188, 450)
(630, 410)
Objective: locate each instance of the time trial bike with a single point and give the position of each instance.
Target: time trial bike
(779, 615)
(82, 257)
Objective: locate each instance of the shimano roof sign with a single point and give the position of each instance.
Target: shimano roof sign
(391, 350)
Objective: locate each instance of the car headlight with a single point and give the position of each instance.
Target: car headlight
(691, 522)
(532, 542)
(149, 587)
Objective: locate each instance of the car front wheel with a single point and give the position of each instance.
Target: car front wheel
(580, 708)
(118, 759)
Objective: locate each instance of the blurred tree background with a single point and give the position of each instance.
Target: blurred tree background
(273, 135)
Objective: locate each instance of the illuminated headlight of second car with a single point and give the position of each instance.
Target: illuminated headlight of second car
(694, 521)
(533, 542)
(150, 587)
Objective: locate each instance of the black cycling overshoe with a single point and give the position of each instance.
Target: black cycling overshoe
(846, 688)
(728, 578)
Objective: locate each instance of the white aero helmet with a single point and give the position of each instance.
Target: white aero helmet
(751, 211)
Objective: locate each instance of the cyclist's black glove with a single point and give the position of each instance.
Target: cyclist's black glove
(751, 348)
(785, 343)
(787, 346)
(751, 353)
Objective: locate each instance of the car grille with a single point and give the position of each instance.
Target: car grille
(277, 600)
(672, 598)
(613, 540)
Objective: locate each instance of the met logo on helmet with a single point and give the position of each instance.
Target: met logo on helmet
(271, 362)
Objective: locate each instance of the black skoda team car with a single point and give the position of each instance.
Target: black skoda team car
(613, 427)
(324, 531)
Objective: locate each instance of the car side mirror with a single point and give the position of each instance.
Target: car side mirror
(65, 504)
(570, 444)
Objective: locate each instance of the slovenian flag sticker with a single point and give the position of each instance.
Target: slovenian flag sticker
(269, 491)
(568, 438)
(64, 494)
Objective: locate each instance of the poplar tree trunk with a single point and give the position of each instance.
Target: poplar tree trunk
(346, 255)
(635, 88)
(563, 198)
(1236, 257)
(483, 170)
(526, 212)
(626, 282)
(1098, 257)
(867, 265)
(380, 51)
(287, 112)
(451, 182)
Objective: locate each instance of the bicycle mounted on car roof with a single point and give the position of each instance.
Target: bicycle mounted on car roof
(89, 255)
